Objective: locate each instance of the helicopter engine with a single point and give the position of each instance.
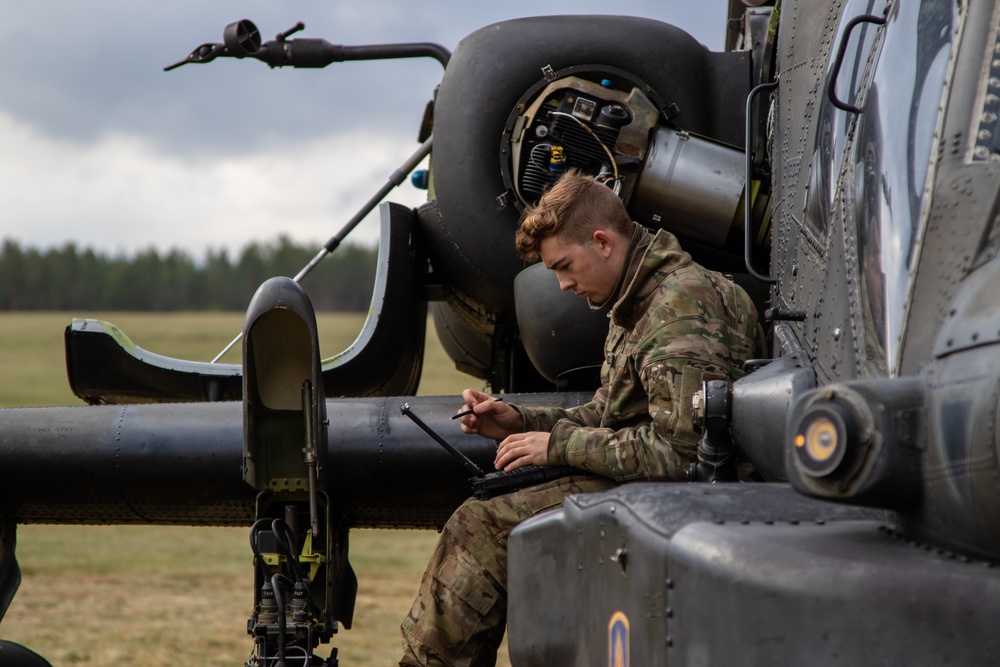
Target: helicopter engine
(599, 121)
(650, 127)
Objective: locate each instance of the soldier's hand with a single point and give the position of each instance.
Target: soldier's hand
(522, 449)
(490, 418)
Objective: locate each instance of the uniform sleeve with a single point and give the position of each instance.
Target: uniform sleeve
(545, 419)
(654, 437)
(660, 449)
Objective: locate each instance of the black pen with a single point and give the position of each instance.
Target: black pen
(470, 410)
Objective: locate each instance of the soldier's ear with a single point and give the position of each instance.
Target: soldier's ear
(603, 242)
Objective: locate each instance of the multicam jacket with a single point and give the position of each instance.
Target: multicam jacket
(676, 325)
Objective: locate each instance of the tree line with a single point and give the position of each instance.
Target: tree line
(71, 278)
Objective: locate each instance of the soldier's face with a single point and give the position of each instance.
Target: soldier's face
(588, 269)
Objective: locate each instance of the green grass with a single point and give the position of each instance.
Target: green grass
(157, 596)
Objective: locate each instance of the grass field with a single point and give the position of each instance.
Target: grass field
(158, 596)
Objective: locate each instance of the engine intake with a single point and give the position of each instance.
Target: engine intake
(605, 122)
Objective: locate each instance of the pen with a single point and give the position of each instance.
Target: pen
(470, 410)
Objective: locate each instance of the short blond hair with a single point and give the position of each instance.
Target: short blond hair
(574, 208)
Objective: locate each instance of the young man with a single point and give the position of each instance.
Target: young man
(673, 325)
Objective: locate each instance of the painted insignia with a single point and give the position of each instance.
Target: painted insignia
(618, 640)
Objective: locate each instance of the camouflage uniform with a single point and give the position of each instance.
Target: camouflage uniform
(674, 325)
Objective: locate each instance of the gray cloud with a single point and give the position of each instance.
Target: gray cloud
(87, 113)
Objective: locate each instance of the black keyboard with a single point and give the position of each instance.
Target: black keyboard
(500, 482)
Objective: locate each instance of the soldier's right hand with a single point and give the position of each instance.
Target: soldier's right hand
(491, 417)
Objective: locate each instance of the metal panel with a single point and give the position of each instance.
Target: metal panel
(835, 594)
(603, 558)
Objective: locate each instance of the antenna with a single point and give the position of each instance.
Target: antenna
(469, 464)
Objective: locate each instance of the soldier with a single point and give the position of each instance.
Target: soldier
(674, 324)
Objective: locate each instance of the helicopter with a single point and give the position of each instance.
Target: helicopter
(840, 160)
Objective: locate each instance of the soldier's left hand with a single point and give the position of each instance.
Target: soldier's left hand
(521, 449)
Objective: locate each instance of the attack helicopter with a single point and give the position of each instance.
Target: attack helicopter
(840, 160)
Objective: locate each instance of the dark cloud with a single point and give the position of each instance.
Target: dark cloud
(102, 147)
(79, 71)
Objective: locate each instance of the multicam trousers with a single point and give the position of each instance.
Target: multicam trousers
(460, 613)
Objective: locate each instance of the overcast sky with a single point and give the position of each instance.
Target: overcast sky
(101, 147)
